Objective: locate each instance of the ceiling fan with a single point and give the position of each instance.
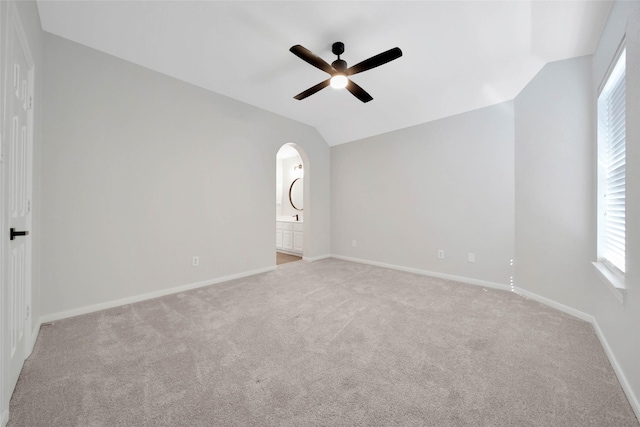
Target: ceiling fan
(338, 69)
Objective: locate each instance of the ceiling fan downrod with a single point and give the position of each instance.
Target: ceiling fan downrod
(339, 65)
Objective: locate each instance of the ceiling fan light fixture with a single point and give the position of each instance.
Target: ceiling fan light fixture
(338, 69)
(339, 81)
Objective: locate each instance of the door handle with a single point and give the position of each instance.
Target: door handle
(13, 233)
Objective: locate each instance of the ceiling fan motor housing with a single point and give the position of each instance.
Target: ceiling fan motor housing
(339, 65)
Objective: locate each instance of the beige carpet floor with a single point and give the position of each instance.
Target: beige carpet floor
(328, 343)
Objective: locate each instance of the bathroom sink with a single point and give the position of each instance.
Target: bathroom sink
(283, 218)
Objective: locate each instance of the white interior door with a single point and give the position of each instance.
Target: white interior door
(17, 161)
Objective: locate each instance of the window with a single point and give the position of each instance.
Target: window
(611, 174)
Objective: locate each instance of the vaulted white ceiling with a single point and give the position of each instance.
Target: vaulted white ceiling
(458, 55)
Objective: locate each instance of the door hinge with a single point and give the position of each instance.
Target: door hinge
(28, 206)
(27, 316)
(30, 103)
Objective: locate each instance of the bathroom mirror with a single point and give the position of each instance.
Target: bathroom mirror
(296, 194)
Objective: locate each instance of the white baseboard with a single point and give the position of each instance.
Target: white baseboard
(462, 279)
(316, 258)
(553, 304)
(624, 382)
(34, 336)
(137, 298)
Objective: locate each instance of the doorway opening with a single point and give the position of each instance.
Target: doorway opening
(290, 206)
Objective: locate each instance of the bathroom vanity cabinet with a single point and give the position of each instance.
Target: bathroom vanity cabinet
(289, 236)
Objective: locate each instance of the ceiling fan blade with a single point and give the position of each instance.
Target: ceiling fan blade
(358, 92)
(375, 61)
(312, 90)
(313, 59)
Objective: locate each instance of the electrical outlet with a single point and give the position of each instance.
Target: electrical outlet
(440, 254)
(471, 257)
(354, 243)
(195, 261)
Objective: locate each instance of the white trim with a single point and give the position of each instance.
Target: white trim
(624, 383)
(612, 64)
(462, 279)
(4, 419)
(315, 258)
(143, 297)
(34, 336)
(522, 292)
(553, 304)
(611, 280)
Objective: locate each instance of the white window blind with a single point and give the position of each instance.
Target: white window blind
(612, 162)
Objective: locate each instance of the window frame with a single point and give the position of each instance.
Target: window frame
(610, 272)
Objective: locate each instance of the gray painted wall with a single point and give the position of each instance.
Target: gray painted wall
(142, 172)
(619, 322)
(555, 184)
(556, 171)
(448, 185)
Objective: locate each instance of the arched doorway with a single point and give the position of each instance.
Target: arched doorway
(290, 206)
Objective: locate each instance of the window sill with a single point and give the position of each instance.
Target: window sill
(614, 282)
